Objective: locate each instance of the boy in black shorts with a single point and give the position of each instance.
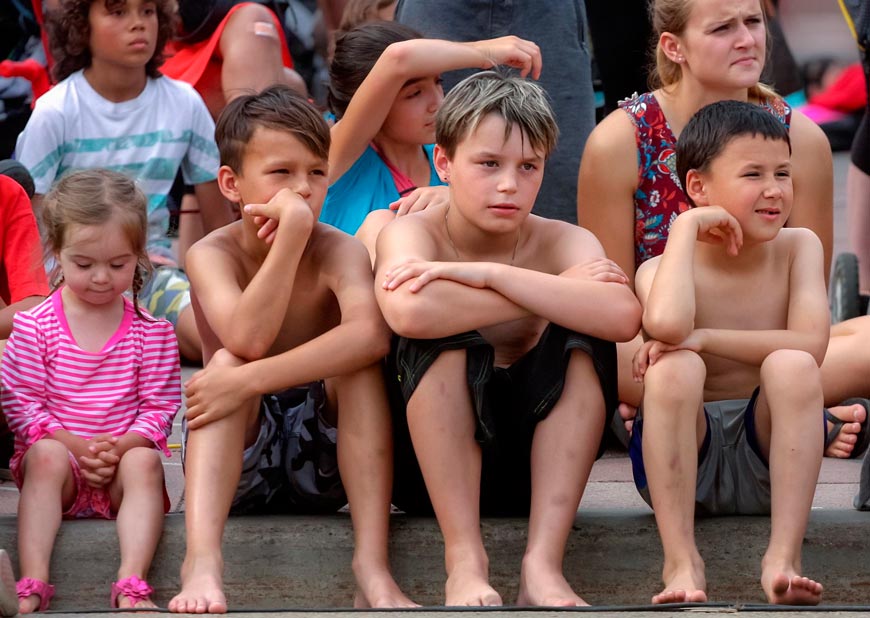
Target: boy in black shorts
(505, 397)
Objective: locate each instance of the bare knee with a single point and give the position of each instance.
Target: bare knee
(675, 376)
(142, 464)
(47, 460)
(225, 358)
(795, 370)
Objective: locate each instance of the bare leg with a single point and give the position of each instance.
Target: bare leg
(858, 215)
(365, 459)
(137, 495)
(630, 392)
(673, 431)
(250, 33)
(441, 422)
(846, 367)
(787, 423)
(563, 451)
(213, 466)
(48, 488)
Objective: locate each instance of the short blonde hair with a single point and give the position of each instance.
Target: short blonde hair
(672, 16)
(518, 101)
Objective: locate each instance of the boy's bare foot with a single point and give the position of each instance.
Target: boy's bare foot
(377, 588)
(201, 588)
(845, 441)
(543, 586)
(683, 585)
(788, 588)
(468, 585)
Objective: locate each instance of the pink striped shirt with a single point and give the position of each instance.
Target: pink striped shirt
(49, 383)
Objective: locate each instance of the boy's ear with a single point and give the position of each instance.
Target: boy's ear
(227, 184)
(696, 188)
(442, 163)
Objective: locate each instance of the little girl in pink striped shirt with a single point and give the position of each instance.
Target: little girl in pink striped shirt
(90, 385)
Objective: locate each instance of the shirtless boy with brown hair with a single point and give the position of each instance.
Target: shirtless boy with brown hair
(506, 399)
(293, 341)
(737, 322)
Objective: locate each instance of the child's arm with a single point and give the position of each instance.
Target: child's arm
(808, 324)
(159, 391)
(813, 179)
(575, 298)
(360, 340)
(247, 319)
(24, 378)
(214, 209)
(407, 60)
(606, 185)
(414, 315)
(669, 310)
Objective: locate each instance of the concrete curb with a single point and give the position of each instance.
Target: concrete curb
(613, 558)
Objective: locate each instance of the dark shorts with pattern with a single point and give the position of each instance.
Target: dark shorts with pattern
(292, 467)
(508, 404)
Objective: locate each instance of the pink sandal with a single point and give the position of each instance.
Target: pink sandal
(133, 588)
(28, 586)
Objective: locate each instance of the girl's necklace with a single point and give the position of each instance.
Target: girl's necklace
(456, 251)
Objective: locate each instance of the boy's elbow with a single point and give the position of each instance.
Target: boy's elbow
(408, 317)
(665, 328)
(249, 349)
(628, 322)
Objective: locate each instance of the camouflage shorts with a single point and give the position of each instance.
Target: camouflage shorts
(293, 464)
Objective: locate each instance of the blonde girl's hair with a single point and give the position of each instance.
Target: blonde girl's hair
(672, 16)
(93, 197)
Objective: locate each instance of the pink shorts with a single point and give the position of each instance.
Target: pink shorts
(89, 502)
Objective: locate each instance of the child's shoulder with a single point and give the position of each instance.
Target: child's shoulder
(797, 241)
(223, 244)
(335, 250)
(561, 239)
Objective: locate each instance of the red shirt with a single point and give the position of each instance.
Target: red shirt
(22, 273)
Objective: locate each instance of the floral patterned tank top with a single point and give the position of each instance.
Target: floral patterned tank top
(659, 197)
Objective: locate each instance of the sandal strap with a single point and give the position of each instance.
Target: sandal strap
(134, 588)
(28, 586)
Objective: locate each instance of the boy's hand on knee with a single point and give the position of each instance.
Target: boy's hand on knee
(214, 393)
(652, 350)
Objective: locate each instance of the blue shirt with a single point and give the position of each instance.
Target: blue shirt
(368, 185)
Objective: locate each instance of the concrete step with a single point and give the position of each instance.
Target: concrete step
(613, 558)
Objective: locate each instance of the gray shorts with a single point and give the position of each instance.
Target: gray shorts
(733, 476)
(292, 466)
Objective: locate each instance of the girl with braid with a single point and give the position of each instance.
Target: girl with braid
(90, 385)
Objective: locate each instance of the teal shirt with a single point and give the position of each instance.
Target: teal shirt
(368, 185)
